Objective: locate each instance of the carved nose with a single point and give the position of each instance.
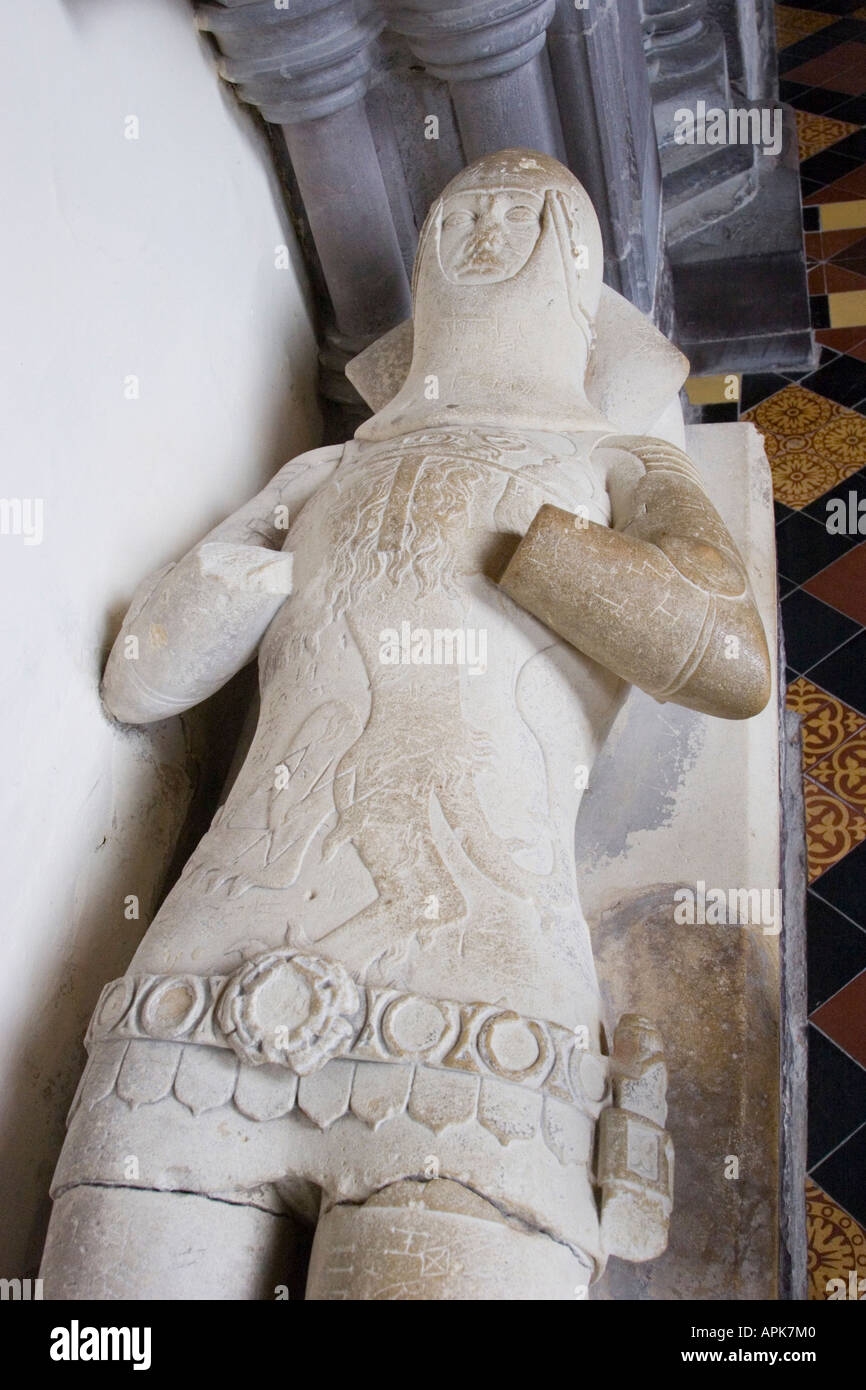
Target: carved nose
(488, 234)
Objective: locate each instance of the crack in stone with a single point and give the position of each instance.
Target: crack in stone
(529, 1227)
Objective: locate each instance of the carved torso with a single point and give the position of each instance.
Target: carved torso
(410, 796)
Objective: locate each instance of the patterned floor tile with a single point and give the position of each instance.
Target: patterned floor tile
(843, 772)
(812, 443)
(793, 24)
(837, 1245)
(816, 133)
(825, 723)
(833, 828)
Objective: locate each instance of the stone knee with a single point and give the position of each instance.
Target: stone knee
(120, 1242)
(437, 1240)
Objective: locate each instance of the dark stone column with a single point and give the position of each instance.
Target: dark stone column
(494, 61)
(602, 89)
(307, 68)
(750, 41)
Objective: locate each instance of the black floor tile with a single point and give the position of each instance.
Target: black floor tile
(782, 512)
(843, 1177)
(856, 484)
(852, 147)
(835, 948)
(789, 90)
(819, 311)
(807, 188)
(816, 100)
(812, 629)
(721, 413)
(828, 166)
(851, 109)
(840, 7)
(842, 380)
(757, 386)
(812, 46)
(811, 219)
(790, 676)
(844, 30)
(837, 1096)
(804, 547)
(844, 886)
(825, 354)
(844, 674)
(786, 586)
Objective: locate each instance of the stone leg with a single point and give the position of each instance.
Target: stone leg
(110, 1243)
(437, 1240)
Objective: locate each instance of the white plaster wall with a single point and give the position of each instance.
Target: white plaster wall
(155, 258)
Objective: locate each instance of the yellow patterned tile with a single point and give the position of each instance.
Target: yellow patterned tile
(832, 828)
(793, 24)
(812, 443)
(836, 1244)
(817, 133)
(825, 722)
(844, 771)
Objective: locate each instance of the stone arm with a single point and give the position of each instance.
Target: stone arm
(195, 623)
(662, 597)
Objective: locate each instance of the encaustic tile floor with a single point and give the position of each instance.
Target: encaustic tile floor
(814, 427)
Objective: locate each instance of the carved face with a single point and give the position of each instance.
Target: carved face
(488, 236)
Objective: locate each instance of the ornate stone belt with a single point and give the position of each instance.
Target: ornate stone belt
(300, 1011)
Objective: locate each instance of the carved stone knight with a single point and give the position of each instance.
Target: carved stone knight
(369, 1005)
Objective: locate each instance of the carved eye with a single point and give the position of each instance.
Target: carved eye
(461, 218)
(521, 214)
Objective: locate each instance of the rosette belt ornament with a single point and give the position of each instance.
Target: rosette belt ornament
(300, 1011)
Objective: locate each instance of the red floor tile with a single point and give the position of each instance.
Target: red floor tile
(814, 244)
(834, 242)
(833, 193)
(843, 584)
(841, 339)
(855, 182)
(837, 278)
(843, 69)
(843, 1018)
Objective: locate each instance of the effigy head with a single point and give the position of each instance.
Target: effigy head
(505, 290)
(512, 212)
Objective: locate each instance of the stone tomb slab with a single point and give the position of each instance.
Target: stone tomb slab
(678, 800)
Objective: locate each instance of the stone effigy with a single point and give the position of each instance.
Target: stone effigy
(368, 1008)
